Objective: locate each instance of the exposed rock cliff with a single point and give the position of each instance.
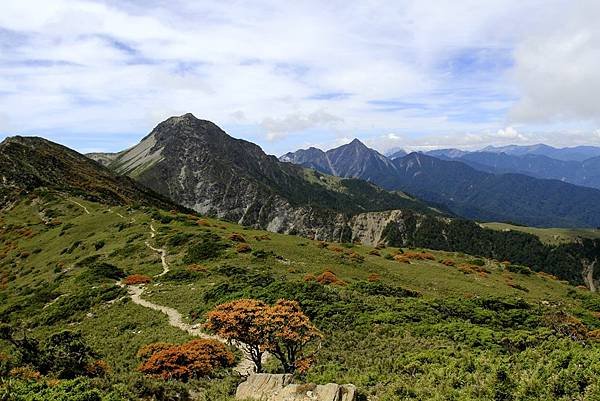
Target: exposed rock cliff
(196, 164)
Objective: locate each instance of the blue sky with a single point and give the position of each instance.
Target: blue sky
(418, 74)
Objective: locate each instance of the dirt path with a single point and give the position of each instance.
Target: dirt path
(163, 253)
(245, 367)
(85, 209)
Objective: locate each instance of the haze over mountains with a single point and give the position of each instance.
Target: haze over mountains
(526, 188)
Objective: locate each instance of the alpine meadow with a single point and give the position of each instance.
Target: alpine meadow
(351, 201)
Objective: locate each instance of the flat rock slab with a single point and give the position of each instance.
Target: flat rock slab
(267, 387)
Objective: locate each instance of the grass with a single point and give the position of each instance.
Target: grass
(550, 236)
(419, 330)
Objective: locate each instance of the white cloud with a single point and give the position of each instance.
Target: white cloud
(286, 69)
(557, 64)
(282, 127)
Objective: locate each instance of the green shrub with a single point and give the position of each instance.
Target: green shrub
(209, 247)
(519, 269)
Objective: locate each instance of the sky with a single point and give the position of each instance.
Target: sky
(416, 74)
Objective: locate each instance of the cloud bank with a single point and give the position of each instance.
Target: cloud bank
(98, 75)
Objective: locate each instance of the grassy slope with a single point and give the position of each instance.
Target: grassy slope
(454, 342)
(548, 235)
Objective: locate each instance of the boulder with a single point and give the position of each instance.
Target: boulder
(267, 387)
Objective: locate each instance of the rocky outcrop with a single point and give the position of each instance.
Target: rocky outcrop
(197, 165)
(267, 387)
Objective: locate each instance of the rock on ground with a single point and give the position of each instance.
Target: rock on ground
(267, 387)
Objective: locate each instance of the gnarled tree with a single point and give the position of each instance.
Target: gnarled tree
(282, 329)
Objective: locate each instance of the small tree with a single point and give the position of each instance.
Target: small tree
(289, 332)
(283, 330)
(236, 321)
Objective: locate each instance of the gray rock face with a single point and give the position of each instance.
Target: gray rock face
(266, 387)
(197, 165)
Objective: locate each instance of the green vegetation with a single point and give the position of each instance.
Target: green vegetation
(398, 323)
(551, 236)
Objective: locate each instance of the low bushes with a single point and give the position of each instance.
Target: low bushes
(191, 360)
(135, 279)
(209, 247)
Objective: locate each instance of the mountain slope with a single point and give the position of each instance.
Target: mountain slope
(30, 163)
(586, 173)
(477, 187)
(506, 197)
(199, 166)
(576, 153)
(353, 160)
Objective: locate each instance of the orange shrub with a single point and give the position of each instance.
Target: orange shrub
(263, 237)
(243, 248)
(329, 277)
(194, 267)
(419, 255)
(203, 223)
(309, 277)
(402, 258)
(448, 262)
(137, 279)
(594, 335)
(25, 373)
(192, 360)
(236, 237)
(374, 277)
(322, 244)
(473, 269)
(335, 248)
(98, 368)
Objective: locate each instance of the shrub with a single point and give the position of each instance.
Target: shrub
(99, 245)
(179, 239)
(519, 269)
(25, 373)
(192, 360)
(209, 247)
(328, 277)
(419, 255)
(236, 237)
(204, 223)
(282, 329)
(380, 288)
(448, 262)
(402, 259)
(374, 252)
(135, 279)
(309, 277)
(373, 277)
(335, 248)
(477, 262)
(263, 237)
(243, 248)
(322, 244)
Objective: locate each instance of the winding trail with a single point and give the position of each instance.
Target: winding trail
(245, 367)
(163, 253)
(85, 209)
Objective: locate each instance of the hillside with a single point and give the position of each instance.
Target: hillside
(483, 188)
(199, 166)
(30, 163)
(398, 323)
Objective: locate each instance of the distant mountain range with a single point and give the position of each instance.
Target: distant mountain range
(534, 161)
(475, 185)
